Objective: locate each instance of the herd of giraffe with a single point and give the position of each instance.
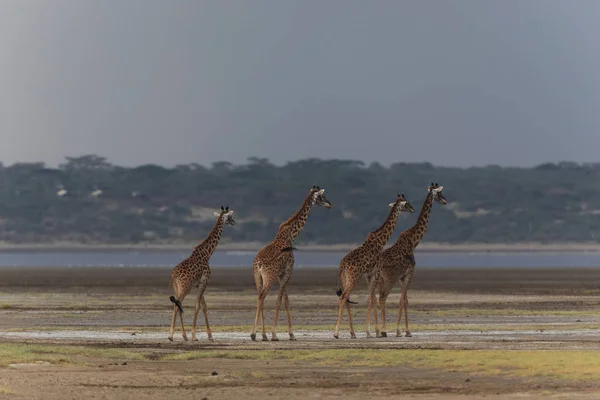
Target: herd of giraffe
(381, 268)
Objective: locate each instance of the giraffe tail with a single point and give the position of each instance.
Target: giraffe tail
(339, 291)
(177, 303)
(291, 248)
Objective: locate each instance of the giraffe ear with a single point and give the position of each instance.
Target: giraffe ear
(216, 214)
(321, 191)
(391, 204)
(438, 188)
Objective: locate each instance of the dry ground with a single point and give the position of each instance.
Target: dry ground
(101, 333)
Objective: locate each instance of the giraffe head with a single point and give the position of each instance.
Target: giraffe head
(318, 197)
(226, 214)
(403, 204)
(436, 191)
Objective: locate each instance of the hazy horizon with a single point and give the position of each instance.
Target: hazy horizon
(455, 83)
(280, 164)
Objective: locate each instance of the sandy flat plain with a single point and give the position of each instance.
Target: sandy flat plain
(73, 333)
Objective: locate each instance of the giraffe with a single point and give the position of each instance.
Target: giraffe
(363, 260)
(275, 262)
(195, 271)
(398, 261)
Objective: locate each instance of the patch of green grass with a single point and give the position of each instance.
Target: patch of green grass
(250, 374)
(6, 390)
(6, 306)
(567, 364)
(391, 327)
(497, 327)
(19, 353)
(510, 311)
(90, 328)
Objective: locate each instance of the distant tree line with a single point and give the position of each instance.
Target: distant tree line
(89, 200)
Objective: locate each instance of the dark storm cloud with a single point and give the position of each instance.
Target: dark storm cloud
(453, 82)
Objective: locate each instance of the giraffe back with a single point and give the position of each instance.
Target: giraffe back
(274, 251)
(277, 255)
(189, 272)
(396, 261)
(366, 257)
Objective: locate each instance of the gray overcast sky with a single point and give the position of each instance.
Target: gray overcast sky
(464, 82)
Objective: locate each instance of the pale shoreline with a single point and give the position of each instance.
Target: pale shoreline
(342, 247)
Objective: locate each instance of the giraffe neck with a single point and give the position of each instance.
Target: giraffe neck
(381, 236)
(293, 226)
(414, 235)
(208, 245)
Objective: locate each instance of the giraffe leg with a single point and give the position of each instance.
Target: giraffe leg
(347, 284)
(259, 307)
(369, 280)
(276, 315)
(372, 307)
(375, 304)
(196, 311)
(200, 303)
(289, 316)
(400, 308)
(205, 312)
(352, 334)
(369, 305)
(264, 330)
(283, 282)
(253, 334)
(181, 290)
(382, 300)
(258, 281)
(183, 334)
(262, 314)
(407, 281)
(172, 331)
(336, 333)
(407, 332)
